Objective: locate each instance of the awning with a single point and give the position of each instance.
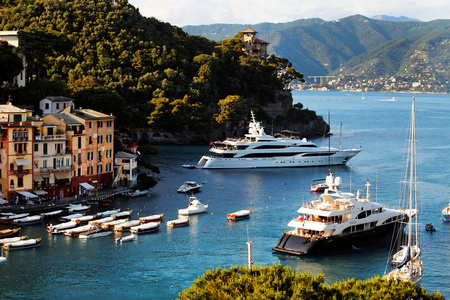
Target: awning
(22, 162)
(40, 192)
(3, 201)
(62, 176)
(27, 194)
(38, 178)
(87, 186)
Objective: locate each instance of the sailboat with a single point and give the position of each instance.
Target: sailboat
(407, 261)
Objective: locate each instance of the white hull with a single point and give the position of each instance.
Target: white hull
(297, 161)
(147, 227)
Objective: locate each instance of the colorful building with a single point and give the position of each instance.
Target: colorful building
(254, 47)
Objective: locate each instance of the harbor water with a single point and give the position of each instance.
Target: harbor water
(162, 264)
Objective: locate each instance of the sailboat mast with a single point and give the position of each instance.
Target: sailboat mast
(412, 170)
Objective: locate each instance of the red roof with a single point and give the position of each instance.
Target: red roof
(249, 30)
(260, 41)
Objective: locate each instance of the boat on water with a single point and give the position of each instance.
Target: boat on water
(239, 215)
(10, 232)
(405, 251)
(60, 228)
(194, 207)
(430, 227)
(94, 233)
(145, 228)
(259, 150)
(178, 222)
(30, 220)
(108, 213)
(123, 214)
(29, 243)
(152, 218)
(78, 208)
(188, 166)
(126, 225)
(138, 193)
(446, 213)
(12, 239)
(9, 218)
(124, 239)
(338, 220)
(53, 213)
(110, 225)
(101, 221)
(84, 219)
(189, 187)
(75, 231)
(70, 217)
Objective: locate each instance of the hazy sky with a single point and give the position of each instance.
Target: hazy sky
(205, 12)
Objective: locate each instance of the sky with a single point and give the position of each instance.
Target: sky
(206, 12)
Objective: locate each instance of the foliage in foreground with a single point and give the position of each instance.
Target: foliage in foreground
(279, 282)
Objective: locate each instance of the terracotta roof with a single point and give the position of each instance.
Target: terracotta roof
(260, 41)
(249, 30)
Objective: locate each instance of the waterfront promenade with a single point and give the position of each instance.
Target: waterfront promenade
(61, 203)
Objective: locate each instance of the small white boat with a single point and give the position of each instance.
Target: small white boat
(83, 219)
(77, 230)
(110, 225)
(124, 239)
(127, 225)
(60, 228)
(240, 214)
(95, 233)
(13, 239)
(178, 222)
(78, 207)
(144, 228)
(30, 220)
(70, 217)
(52, 213)
(188, 166)
(138, 193)
(108, 213)
(195, 207)
(189, 187)
(123, 214)
(152, 218)
(30, 243)
(11, 217)
(101, 221)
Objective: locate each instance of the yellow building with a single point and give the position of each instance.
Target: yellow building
(16, 154)
(254, 47)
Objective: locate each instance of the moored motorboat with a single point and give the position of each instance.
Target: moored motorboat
(84, 219)
(138, 193)
(94, 233)
(194, 207)
(338, 220)
(152, 218)
(259, 150)
(60, 228)
(178, 222)
(239, 215)
(127, 225)
(110, 225)
(108, 213)
(124, 239)
(78, 207)
(11, 217)
(76, 231)
(70, 217)
(123, 214)
(53, 213)
(189, 187)
(11, 232)
(145, 228)
(12, 239)
(29, 243)
(101, 221)
(446, 213)
(30, 220)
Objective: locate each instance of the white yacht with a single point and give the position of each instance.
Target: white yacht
(189, 186)
(259, 150)
(339, 220)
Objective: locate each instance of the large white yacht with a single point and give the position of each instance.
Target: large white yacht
(339, 220)
(259, 150)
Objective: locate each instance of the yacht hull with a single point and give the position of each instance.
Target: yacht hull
(301, 245)
(297, 161)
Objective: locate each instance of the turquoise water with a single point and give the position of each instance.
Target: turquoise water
(162, 264)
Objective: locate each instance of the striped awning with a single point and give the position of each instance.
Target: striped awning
(22, 162)
(27, 194)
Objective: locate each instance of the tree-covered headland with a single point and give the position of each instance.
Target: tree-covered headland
(108, 57)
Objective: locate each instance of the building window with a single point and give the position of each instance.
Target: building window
(90, 140)
(20, 182)
(36, 147)
(14, 138)
(108, 153)
(79, 158)
(79, 172)
(99, 124)
(44, 164)
(45, 150)
(57, 105)
(99, 169)
(11, 183)
(79, 142)
(90, 124)
(47, 105)
(99, 155)
(108, 123)
(108, 167)
(108, 138)
(25, 134)
(89, 170)
(100, 139)
(11, 167)
(90, 156)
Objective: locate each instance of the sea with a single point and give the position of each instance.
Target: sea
(161, 265)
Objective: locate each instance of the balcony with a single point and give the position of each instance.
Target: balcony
(19, 172)
(58, 169)
(50, 137)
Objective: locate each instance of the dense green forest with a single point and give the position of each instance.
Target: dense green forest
(107, 56)
(278, 282)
